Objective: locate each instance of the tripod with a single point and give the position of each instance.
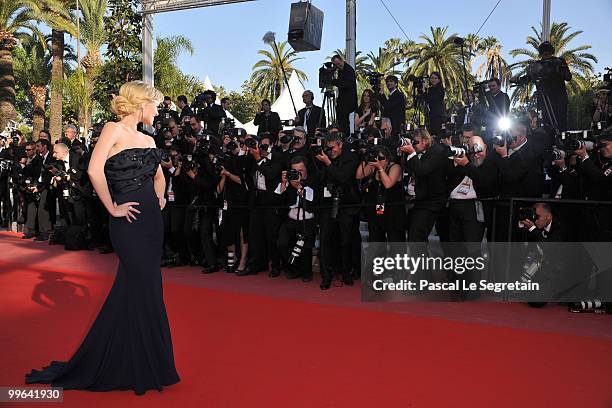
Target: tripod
(329, 105)
(546, 109)
(420, 108)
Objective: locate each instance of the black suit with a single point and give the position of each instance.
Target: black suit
(212, 116)
(42, 209)
(554, 86)
(347, 96)
(313, 119)
(521, 173)
(430, 191)
(268, 123)
(499, 106)
(435, 101)
(394, 108)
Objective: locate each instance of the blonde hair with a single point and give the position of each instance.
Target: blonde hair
(424, 135)
(132, 96)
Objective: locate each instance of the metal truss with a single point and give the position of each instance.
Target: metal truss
(160, 6)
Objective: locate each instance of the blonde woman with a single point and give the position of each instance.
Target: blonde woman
(129, 345)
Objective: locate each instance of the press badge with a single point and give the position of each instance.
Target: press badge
(225, 204)
(220, 216)
(380, 205)
(170, 196)
(326, 193)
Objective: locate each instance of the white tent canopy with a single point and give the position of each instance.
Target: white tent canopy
(283, 105)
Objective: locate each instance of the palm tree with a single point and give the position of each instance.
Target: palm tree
(580, 62)
(267, 77)
(32, 66)
(61, 21)
(438, 53)
(385, 62)
(494, 65)
(167, 76)
(93, 36)
(16, 18)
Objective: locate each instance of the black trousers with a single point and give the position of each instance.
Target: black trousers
(39, 211)
(337, 230)
(287, 237)
(264, 224)
(463, 223)
(378, 233)
(343, 122)
(420, 222)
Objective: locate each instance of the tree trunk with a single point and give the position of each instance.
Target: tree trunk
(57, 75)
(7, 88)
(39, 97)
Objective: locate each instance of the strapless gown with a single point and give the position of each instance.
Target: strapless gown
(129, 346)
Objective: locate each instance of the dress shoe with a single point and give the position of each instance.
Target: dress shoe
(41, 238)
(210, 269)
(246, 271)
(274, 273)
(307, 278)
(347, 279)
(325, 284)
(28, 236)
(293, 274)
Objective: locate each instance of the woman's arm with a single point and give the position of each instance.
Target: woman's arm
(363, 171)
(107, 140)
(391, 179)
(221, 184)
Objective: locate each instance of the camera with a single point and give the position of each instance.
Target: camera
(573, 140)
(287, 138)
(537, 71)
(220, 160)
(326, 75)
(527, 213)
(251, 143)
(288, 122)
(293, 175)
(453, 151)
(371, 155)
(558, 154)
(374, 78)
(418, 82)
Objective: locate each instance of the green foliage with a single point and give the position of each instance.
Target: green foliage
(245, 104)
(169, 79)
(123, 52)
(267, 76)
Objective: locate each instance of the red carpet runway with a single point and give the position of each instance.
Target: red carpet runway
(259, 342)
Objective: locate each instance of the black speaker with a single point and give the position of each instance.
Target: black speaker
(305, 27)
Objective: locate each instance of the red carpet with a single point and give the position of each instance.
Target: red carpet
(298, 347)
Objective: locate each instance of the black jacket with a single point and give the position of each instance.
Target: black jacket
(568, 178)
(394, 108)
(313, 119)
(271, 170)
(521, 174)
(339, 177)
(311, 206)
(270, 123)
(435, 100)
(347, 90)
(429, 174)
(499, 106)
(212, 116)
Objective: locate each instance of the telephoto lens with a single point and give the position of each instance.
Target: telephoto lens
(589, 306)
(558, 154)
(455, 152)
(297, 249)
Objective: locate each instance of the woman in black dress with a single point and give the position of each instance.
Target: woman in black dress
(368, 109)
(268, 121)
(435, 101)
(129, 345)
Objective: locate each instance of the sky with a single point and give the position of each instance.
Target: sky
(227, 38)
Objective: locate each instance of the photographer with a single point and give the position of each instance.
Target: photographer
(384, 195)
(177, 173)
(308, 117)
(201, 216)
(427, 163)
(265, 206)
(42, 202)
(5, 202)
(554, 74)
(70, 136)
(541, 226)
(165, 112)
(435, 102)
(339, 216)
(596, 169)
(296, 236)
(498, 104)
(394, 107)
(212, 114)
(181, 102)
(346, 103)
(233, 216)
(267, 121)
(602, 109)
(368, 109)
(474, 177)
